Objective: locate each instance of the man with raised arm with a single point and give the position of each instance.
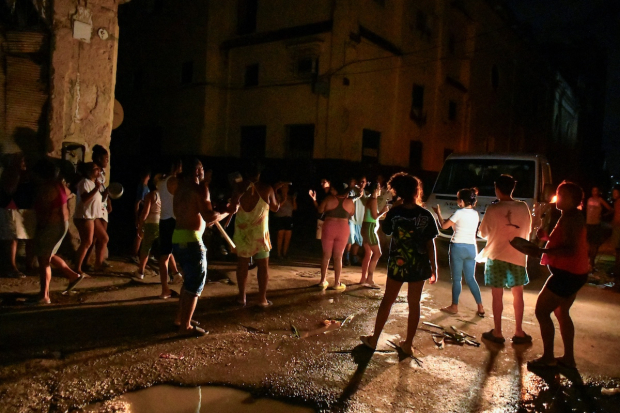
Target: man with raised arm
(193, 211)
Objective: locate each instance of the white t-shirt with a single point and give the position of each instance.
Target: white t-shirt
(93, 208)
(465, 226)
(102, 179)
(501, 223)
(360, 208)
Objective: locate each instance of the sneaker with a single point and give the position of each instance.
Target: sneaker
(138, 275)
(176, 278)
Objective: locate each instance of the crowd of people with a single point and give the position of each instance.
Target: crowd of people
(172, 211)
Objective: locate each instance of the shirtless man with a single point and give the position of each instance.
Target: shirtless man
(192, 208)
(252, 232)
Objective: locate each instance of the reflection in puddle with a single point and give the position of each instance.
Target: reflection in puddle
(172, 399)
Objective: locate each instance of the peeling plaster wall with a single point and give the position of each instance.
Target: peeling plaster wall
(83, 75)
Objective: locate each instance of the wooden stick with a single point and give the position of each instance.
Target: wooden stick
(225, 235)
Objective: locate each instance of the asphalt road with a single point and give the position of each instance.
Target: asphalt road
(107, 339)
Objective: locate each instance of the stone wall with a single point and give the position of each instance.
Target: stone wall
(83, 74)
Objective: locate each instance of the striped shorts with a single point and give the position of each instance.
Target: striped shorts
(369, 233)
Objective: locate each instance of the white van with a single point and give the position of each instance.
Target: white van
(532, 172)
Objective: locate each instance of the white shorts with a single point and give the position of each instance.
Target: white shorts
(17, 224)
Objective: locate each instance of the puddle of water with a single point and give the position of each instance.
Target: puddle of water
(206, 399)
(309, 333)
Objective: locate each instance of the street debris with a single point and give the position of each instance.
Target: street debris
(170, 356)
(254, 330)
(466, 321)
(348, 319)
(456, 336)
(610, 391)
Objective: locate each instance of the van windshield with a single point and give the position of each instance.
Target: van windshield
(457, 174)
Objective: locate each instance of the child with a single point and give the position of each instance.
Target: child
(412, 255)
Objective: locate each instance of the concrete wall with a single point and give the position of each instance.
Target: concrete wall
(83, 76)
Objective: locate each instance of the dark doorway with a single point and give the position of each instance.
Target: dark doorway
(253, 141)
(370, 146)
(415, 155)
(300, 141)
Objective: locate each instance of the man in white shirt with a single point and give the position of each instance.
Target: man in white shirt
(505, 266)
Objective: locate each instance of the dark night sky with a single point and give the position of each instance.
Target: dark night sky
(570, 22)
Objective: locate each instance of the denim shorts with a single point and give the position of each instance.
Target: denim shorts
(192, 257)
(355, 234)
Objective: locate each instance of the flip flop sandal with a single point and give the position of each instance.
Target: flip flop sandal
(193, 322)
(365, 341)
(522, 340)
(539, 363)
(194, 332)
(322, 285)
(339, 287)
(268, 304)
(480, 314)
(490, 337)
(166, 296)
(372, 286)
(400, 345)
(73, 284)
(448, 312)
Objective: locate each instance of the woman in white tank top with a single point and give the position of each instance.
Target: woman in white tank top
(463, 252)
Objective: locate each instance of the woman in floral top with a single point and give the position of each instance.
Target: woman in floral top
(412, 255)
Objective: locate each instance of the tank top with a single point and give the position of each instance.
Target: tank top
(593, 212)
(368, 215)
(166, 200)
(339, 211)
(578, 263)
(155, 211)
(286, 208)
(252, 230)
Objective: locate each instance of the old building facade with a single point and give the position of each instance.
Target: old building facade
(393, 82)
(58, 76)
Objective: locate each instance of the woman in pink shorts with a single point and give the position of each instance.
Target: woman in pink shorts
(337, 210)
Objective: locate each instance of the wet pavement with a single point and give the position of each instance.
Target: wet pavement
(112, 337)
